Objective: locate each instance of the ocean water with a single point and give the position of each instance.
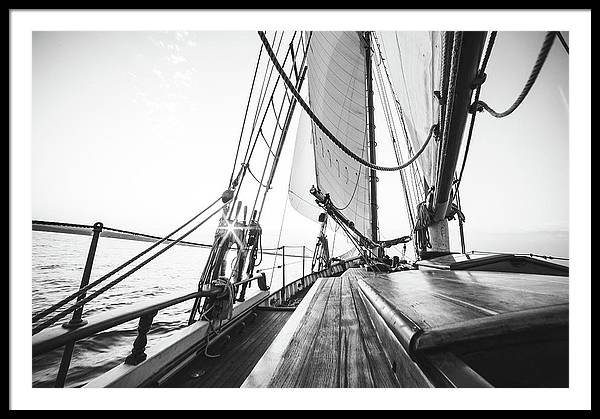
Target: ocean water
(58, 261)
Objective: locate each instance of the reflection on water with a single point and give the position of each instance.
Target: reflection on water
(57, 266)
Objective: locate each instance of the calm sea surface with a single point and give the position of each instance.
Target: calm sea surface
(58, 260)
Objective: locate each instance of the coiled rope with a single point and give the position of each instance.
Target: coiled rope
(422, 240)
(535, 71)
(328, 133)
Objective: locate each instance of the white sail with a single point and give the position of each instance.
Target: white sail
(414, 61)
(336, 85)
(302, 175)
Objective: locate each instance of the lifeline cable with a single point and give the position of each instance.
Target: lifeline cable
(278, 240)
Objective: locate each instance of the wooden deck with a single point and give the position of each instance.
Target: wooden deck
(367, 329)
(238, 355)
(334, 344)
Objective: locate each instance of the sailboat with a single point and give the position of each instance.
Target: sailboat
(361, 319)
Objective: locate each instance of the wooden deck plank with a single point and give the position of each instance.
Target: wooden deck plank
(354, 363)
(379, 365)
(265, 369)
(298, 350)
(237, 364)
(321, 368)
(264, 343)
(216, 372)
(246, 355)
(237, 357)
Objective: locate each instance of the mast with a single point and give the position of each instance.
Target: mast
(465, 65)
(371, 137)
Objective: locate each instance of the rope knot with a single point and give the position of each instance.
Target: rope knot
(227, 196)
(475, 107)
(479, 80)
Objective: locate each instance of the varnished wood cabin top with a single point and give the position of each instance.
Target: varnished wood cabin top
(434, 298)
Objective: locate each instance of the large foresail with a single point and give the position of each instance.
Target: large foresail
(414, 60)
(336, 87)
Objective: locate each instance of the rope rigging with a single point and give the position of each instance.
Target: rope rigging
(248, 237)
(382, 90)
(561, 38)
(261, 114)
(229, 196)
(247, 167)
(237, 151)
(478, 105)
(317, 122)
(278, 242)
(235, 183)
(535, 71)
(481, 76)
(259, 108)
(281, 266)
(300, 77)
(82, 291)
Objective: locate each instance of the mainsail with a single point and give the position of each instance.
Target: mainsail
(337, 96)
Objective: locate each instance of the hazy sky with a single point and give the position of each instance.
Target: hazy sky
(138, 130)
